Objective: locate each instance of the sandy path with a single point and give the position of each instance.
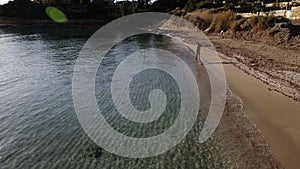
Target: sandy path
(277, 116)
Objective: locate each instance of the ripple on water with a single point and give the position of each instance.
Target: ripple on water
(39, 128)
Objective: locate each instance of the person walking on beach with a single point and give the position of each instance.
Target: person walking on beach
(197, 56)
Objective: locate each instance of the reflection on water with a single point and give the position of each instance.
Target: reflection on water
(38, 124)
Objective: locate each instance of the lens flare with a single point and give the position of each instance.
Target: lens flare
(56, 15)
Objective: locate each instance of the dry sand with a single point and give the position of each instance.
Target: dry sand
(276, 115)
(275, 66)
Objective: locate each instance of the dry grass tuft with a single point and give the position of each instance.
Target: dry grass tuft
(227, 21)
(256, 23)
(222, 21)
(201, 18)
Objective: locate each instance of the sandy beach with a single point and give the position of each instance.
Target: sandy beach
(276, 115)
(243, 140)
(269, 91)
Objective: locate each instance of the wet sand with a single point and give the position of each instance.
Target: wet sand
(276, 115)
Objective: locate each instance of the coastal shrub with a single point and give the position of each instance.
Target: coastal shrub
(245, 8)
(1, 11)
(24, 9)
(54, 2)
(256, 23)
(247, 25)
(263, 22)
(222, 21)
(201, 18)
(236, 25)
(257, 6)
(206, 5)
(213, 21)
(206, 14)
(230, 4)
(168, 5)
(177, 12)
(124, 8)
(190, 5)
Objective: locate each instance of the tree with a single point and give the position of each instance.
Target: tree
(97, 9)
(22, 2)
(124, 8)
(257, 6)
(230, 4)
(84, 1)
(167, 5)
(55, 2)
(181, 3)
(143, 3)
(37, 1)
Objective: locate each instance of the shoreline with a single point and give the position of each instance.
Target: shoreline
(11, 22)
(277, 124)
(235, 130)
(276, 111)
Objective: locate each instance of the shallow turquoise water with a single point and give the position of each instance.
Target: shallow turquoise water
(38, 124)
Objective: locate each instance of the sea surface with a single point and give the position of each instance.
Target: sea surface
(38, 124)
